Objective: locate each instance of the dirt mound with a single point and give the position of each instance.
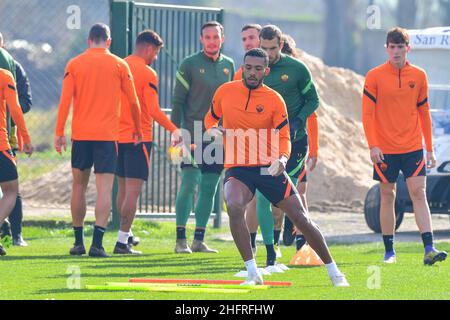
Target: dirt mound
(54, 188)
(343, 174)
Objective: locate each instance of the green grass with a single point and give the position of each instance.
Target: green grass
(41, 125)
(40, 270)
(40, 163)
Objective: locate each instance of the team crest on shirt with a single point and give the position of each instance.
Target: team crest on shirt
(260, 108)
(284, 78)
(412, 84)
(202, 71)
(226, 71)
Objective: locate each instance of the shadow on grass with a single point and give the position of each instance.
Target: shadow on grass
(149, 293)
(363, 238)
(166, 262)
(305, 267)
(42, 257)
(77, 291)
(150, 274)
(80, 258)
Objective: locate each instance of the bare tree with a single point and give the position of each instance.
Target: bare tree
(445, 5)
(407, 13)
(340, 32)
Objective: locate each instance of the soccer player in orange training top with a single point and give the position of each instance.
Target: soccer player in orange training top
(248, 107)
(94, 81)
(8, 172)
(395, 117)
(250, 40)
(134, 160)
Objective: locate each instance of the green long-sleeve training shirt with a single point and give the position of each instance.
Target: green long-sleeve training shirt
(197, 79)
(292, 79)
(7, 62)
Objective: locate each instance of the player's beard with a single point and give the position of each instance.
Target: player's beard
(274, 59)
(251, 86)
(212, 52)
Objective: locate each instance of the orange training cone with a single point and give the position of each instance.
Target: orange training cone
(306, 257)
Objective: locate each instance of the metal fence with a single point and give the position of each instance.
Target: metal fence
(180, 27)
(42, 36)
(55, 32)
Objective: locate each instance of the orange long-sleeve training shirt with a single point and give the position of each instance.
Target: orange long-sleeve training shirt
(8, 95)
(238, 75)
(312, 125)
(313, 135)
(395, 109)
(256, 123)
(146, 84)
(94, 80)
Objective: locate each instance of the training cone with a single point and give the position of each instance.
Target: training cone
(306, 257)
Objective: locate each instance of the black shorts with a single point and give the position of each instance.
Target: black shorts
(100, 154)
(412, 164)
(134, 161)
(274, 189)
(296, 166)
(8, 169)
(203, 163)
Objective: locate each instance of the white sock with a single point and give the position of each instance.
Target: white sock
(251, 266)
(131, 233)
(123, 237)
(332, 269)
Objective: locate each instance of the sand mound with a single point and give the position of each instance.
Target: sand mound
(343, 174)
(54, 188)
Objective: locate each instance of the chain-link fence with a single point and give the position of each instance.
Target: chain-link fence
(43, 36)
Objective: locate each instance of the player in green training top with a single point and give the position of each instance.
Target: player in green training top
(198, 77)
(292, 80)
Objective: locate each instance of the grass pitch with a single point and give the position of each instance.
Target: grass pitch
(44, 270)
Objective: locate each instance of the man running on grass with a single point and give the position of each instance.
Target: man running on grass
(198, 78)
(250, 40)
(252, 111)
(134, 160)
(396, 117)
(95, 81)
(9, 182)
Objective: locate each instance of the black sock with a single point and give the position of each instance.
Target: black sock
(388, 243)
(299, 241)
(427, 239)
(79, 236)
(181, 232)
(199, 234)
(5, 229)
(271, 255)
(121, 245)
(253, 239)
(16, 216)
(276, 237)
(97, 240)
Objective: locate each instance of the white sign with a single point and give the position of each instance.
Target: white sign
(433, 38)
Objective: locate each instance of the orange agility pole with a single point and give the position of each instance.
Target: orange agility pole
(205, 281)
